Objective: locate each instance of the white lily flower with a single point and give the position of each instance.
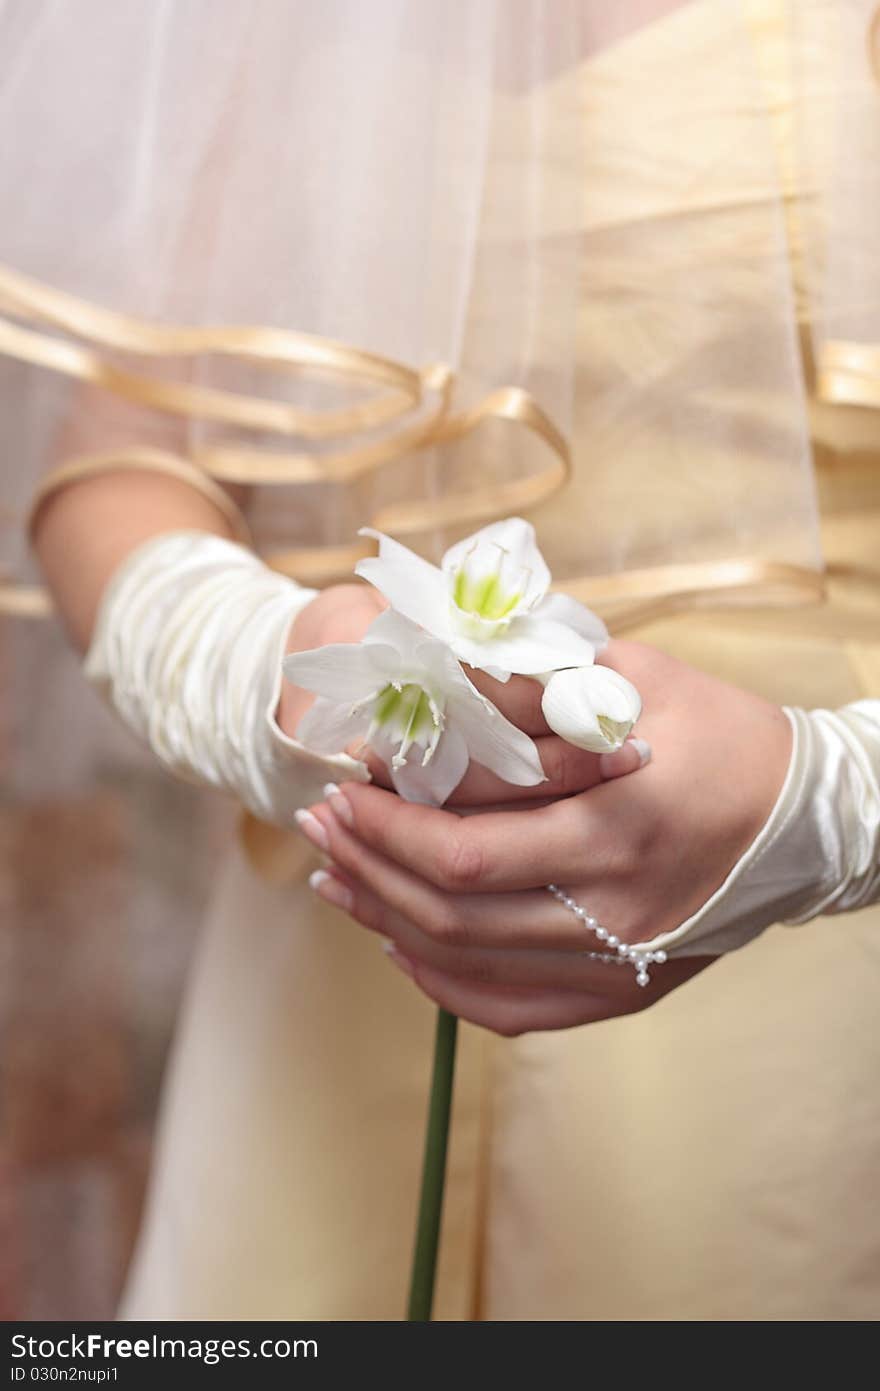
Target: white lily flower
(592, 707)
(404, 694)
(488, 601)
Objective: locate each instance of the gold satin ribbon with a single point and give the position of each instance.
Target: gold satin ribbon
(150, 461)
(24, 600)
(403, 391)
(639, 596)
(39, 304)
(427, 394)
(848, 374)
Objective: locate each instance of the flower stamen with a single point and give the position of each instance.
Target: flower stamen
(408, 734)
(615, 731)
(486, 595)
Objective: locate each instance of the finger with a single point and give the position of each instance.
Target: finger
(622, 655)
(518, 699)
(510, 1011)
(506, 1010)
(378, 769)
(565, 970)
(573, 839)
(530, 920)
(629, 759)
(612, 989)
(567, 770)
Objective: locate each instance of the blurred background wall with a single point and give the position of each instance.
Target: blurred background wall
(105, 868)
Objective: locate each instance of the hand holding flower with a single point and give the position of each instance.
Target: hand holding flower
(463, 898)
(403, 693)
(462, 902)
(487, 604)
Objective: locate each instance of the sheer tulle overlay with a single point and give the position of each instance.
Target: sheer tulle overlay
(430, 184)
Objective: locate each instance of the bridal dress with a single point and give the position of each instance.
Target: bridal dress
(419, 265)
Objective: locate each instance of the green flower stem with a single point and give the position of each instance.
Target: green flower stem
(424, 1269)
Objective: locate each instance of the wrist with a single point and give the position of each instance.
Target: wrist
(188, 649)
(340, 614)
(818, 852)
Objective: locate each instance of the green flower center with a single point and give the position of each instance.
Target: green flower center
(490, 594)
(406, 714)
(484, 595)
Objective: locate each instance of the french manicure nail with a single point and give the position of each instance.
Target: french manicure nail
(331, 889)
(311, 828)
(643, 749)
(397, 959)
(339, 803)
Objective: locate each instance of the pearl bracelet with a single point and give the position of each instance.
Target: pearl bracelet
(621, 954)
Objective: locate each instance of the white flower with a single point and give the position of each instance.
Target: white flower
(592, 707)
(405, 695)
(488, 601)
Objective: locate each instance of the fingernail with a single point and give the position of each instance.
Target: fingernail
(643, 749)
(339, 803)
(328, 887)
(311, 828)
(397, 958)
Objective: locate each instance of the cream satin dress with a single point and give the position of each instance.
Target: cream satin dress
(714, 1158)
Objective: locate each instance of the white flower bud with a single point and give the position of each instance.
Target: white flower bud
(592, 707)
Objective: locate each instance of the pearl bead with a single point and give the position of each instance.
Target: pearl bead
(621, 953)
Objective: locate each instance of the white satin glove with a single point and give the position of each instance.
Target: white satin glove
(819, 851)
(187, 648)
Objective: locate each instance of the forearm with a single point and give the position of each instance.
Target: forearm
(82, 533)
(184, 631)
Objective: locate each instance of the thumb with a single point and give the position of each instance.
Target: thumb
(633, 756)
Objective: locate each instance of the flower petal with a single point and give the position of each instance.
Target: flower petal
(530, 645)
(432, 783)
(328, 727)
(439, 664)
(591, 707)
(562, 608)
(517, 538)
(620, 699)
(392, 629)
(344, 671)
(414, 587)
(492, 740)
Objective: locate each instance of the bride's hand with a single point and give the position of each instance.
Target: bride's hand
(462, 898)
(340, 613)
(344, 612)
